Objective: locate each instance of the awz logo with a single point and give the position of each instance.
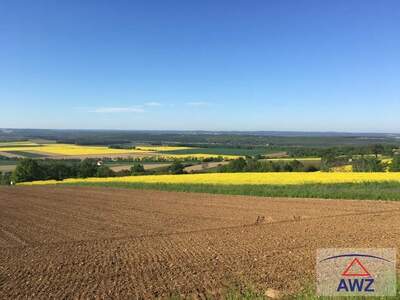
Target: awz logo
(341, 273)
(356, 283)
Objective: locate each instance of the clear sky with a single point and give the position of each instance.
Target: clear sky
(211, 65)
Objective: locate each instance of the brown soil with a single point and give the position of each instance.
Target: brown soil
(118, 168)
(205, 166)
(74, 242)
(277, 155)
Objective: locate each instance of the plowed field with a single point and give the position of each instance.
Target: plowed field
(75, 242)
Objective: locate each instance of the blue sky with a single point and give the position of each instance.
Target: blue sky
(211, 65)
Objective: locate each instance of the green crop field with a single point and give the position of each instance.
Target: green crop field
(364, 191)
(224, 151)
(27, 154)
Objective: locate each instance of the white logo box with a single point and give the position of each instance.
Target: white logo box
(356, 272)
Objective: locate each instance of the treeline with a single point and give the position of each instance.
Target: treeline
(161, 159)
(254, 165)
(32, 170)
(5, 178)
(227, 139)
(372, 164)
(395, 165)
(362, 164)
(373, 149)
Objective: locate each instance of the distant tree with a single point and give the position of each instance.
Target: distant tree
(287, 167)
(368, 164)
(377, 149)
(137, 168)
(277, 166)
(213, 158)
(258, 156)
(176, 168)
(311, 169)
(252, 165)
(395, 165)
(104, 171)
(5, 178)
(237, 165)
(266, 166)
(58, 170)
(296, 166)
(27, 170)
(123, 173)
(328, 161)
(88, 168)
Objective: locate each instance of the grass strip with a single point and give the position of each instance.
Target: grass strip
(26, 154)
(310, 294)
(366, 190)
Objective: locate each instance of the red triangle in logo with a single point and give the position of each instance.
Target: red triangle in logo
(361, 272)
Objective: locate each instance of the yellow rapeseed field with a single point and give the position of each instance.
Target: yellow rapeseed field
(68, 149)
(245, 178)
(162, 148)
(182, 156)
(345, 168)
(197, 156)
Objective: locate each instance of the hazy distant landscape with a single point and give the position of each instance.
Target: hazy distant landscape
(121, 191)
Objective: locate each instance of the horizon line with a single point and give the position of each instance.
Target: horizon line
(205, 130)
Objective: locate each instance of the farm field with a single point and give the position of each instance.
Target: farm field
(75, 242)
(27, 154)
(17, 144)
(10, 155)
(66, 149)
(293, 158)
(205, 166)
(7, 165)
(316, 160)
(306, 161)
(7, 168)
(266, 178)
(163, 148)
(147, 166)
(217, 151)
(60, 151)
(367, 190)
